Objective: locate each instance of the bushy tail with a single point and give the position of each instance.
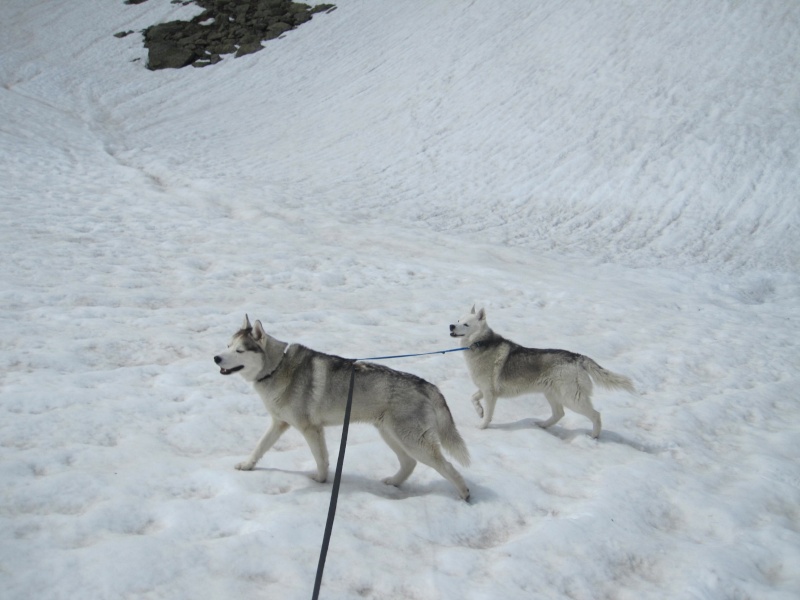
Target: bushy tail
(606, 378)
(446, 428)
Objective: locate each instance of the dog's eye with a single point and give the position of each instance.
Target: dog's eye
(240, 352)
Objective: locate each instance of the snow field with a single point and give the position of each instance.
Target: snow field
(618, 180)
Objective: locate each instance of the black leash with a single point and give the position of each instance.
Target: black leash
(337, 478)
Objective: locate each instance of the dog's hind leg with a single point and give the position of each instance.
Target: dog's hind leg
(578, 397)
(476, 402)
(556, 408)
(432, 456)
(265, 443)
(583, 406)
(422, 446)
(597, 423)
(315, 437)
(407, 463)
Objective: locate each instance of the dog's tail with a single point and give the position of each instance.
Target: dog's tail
(606, 378)
(446, 428)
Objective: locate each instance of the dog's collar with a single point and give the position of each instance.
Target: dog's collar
(278, 366)
(477, 345)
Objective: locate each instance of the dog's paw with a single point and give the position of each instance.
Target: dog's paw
(320, 477)
(245, 466)
(483, 425)
(390, 481)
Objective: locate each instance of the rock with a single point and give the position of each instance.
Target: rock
(227, 27)
(250, 48)
(278, 28)
(163, 31)
(207, 60)
(165, 55)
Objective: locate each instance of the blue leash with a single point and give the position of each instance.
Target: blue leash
(337, 478)
(409, 355)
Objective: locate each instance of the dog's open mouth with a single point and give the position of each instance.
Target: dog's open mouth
(231, 371)
(454, 334)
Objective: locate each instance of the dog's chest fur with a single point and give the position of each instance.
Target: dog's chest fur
(485, 358)
(272, 394)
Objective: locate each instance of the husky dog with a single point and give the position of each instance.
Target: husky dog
(308, 390)
(501, 368)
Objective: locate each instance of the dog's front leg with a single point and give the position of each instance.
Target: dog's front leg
(265, 443)
(476, 402)
(315, 436)
(491, 400)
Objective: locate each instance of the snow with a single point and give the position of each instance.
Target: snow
(618, 179)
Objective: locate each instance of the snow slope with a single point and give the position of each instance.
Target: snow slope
(619, 179)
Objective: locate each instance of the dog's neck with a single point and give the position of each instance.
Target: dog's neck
(275, 354)
(485, 339)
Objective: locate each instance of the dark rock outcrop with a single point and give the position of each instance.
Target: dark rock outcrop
(225, 27)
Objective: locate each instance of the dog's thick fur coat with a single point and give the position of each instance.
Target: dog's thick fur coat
(502, 368)
(308, 390)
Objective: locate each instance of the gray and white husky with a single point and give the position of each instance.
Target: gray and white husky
(308, 390)
(501, 368)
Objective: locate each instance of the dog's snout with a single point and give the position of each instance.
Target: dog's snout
(217, 359)
(452, 327)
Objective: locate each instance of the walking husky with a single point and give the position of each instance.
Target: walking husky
(501, 368)
(308, 390)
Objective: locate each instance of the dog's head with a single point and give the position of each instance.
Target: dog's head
(469, 326)
(246, 352)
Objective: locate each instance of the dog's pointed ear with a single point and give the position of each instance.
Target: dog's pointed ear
(482, 314)
(246, 324)
(258, 331)
(472, 312)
